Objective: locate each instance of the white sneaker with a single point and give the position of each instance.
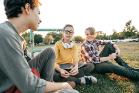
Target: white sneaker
(88, 80)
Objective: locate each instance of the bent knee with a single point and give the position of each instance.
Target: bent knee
(90, 66)
(49, 50)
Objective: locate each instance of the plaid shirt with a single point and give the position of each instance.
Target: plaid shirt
(90, 50)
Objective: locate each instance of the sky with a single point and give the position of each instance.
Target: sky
(104, 15)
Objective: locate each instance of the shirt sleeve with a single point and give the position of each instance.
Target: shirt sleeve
(85, 54)
(92, 57)
(16, 68)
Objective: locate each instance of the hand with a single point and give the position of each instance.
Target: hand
(118, 52)
(74, 71)
(117, 49)
(64, 73)
(112, 56)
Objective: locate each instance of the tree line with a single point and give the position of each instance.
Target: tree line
(129, 31)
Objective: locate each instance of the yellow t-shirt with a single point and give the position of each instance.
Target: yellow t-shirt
(66, 55)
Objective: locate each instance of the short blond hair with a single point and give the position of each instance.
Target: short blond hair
(91, 30)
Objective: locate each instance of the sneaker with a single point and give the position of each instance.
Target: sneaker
(88, 80)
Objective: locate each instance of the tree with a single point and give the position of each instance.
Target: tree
(115, 35)
(103, 37)
(129, 31)
(78, 39)
(56, 36)
(48, 39)
(137, 34)
(38, 38)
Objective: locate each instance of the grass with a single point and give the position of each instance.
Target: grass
(112, 83)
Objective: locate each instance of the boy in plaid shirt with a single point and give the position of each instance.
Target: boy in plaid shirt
(90, 51)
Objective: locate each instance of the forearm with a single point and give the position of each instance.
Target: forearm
(57, 67)
(75, 64)
(102, 59)
(52, 86)
(116, 48)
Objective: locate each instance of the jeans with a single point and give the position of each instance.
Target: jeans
(85, 70)
(107, 67)
(44, 63)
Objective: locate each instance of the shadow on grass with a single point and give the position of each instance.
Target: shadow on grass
(107, 85)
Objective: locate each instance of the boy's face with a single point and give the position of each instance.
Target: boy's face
(34, 19)
(89, 36)
(68, 33)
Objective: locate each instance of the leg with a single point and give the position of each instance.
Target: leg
(108, 67)
(83, 77)
(104, 67)
(44, 63)
(57, 78)
(85, 70)
(109, 49)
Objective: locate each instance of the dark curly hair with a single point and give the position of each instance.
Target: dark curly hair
(14, 7)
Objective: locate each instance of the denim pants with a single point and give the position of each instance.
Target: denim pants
(85, 70)
(44, 63)
(107, 67)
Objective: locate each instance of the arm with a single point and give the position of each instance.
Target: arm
(12, 60)
(63, 72)
(117, 49)
(110, 57)
(52, 87)
(85, 56)
(74, 70)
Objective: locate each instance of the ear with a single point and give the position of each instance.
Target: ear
(95, 34)
(27, 8)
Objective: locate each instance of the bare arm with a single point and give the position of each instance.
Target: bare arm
(117, 49)
(63, 72)
(52, 86)
(110, 57)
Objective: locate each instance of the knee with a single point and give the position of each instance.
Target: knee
(50, 51)
(110, 45)
(90, 66)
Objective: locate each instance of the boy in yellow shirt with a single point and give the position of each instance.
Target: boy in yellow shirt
(67, 58)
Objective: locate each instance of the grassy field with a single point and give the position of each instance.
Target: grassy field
(111, 83)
